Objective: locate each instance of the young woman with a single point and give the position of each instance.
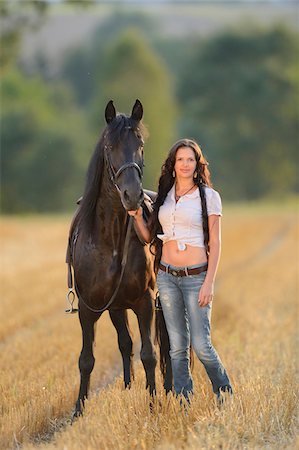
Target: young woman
(185, 230)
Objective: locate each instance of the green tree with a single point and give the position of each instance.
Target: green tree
(43, 138)
(130, 70)
(83, 64)
(15, 17)
(238, 98)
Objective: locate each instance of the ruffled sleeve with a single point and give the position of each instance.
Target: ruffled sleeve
(214, 205)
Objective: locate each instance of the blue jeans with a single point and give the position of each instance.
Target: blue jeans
(187, 323)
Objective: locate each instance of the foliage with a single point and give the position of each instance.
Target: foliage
(238, 100)
(15, 17)
(42, 139)
(83, 64)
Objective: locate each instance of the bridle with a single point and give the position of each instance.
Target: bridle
(114, 175)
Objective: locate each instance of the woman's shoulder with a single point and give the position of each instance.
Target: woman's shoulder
(213, 199)
(211, 193)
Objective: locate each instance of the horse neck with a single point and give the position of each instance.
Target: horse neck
(109, 207)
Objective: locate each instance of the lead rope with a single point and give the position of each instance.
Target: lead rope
(71, 293)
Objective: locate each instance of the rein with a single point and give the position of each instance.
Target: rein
(70, 297)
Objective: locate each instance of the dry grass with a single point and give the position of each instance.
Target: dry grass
(254, 330)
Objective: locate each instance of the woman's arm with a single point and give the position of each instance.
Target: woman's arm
(206, 292)
(141, 224)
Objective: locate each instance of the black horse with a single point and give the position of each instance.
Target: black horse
(113, 269)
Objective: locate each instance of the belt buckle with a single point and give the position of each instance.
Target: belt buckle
(174, 273)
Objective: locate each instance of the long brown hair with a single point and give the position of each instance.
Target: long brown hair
(166, 181)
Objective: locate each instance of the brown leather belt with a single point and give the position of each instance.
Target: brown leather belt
(183, 272)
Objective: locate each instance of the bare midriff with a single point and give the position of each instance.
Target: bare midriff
(191, 255)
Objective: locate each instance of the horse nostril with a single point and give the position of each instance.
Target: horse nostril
(130, 197)
(126, 195)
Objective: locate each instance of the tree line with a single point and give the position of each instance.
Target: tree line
(235, 92)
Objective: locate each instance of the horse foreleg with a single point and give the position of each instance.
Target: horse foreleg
(86, 360)
(147, 354)
(119, 319)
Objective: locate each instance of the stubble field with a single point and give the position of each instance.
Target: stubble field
(254, 329)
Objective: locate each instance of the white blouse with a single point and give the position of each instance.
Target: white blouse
(182, 221)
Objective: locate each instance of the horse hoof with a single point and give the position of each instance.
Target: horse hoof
(76, 414)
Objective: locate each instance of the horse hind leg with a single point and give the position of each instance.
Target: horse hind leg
(86, 359)
(119, 319)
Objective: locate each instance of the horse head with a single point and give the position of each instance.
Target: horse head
(123, 153)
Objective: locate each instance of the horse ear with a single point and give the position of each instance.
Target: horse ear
(110, 112)
(137, 111)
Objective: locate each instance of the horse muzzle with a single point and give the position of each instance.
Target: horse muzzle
(132, 199)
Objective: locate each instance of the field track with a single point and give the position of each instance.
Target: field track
(254, 331)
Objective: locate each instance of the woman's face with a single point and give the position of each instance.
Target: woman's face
(185, 163)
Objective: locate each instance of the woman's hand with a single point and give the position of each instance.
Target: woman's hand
(137, 214)
(206, 293)
(141, 224)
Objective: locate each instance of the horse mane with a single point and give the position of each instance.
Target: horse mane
(110, 137)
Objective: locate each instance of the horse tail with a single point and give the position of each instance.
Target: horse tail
(191, 353)
(162, 339)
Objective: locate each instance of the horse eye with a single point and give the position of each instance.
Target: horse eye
(139, 136)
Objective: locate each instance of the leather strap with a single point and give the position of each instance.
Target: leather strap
(183, 272)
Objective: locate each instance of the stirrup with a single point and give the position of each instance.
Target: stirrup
(71, 310)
